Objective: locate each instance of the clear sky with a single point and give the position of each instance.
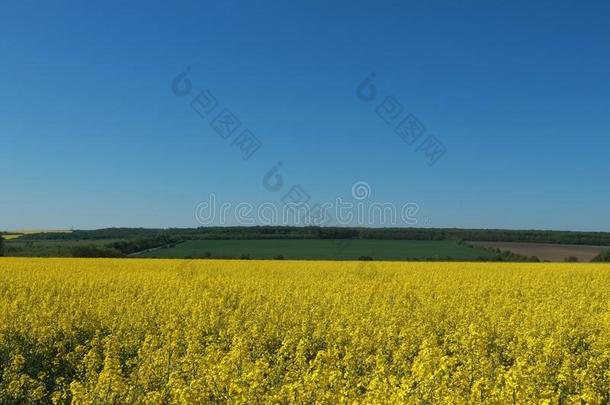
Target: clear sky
(92, 135)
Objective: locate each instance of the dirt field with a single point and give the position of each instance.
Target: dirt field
(547, 251)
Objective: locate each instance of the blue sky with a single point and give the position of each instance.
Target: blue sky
(91, 134)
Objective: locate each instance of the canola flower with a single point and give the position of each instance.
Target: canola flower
(117, 331)
(17, 234)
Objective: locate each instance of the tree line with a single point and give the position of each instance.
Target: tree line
(291, 232)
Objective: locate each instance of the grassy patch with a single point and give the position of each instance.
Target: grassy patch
(322, 249)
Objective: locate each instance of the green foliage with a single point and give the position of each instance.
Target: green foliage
(1, 246)
(173, 235)
(139, 245)
(506, 256)
(95, 251)
(48, 248)
(267, 242)
(602, 257)
(322, 249)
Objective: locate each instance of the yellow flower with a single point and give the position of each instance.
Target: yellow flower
(93, 331)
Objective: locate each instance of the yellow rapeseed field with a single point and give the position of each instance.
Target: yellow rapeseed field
(17, 234)
(211, 331)
(12, 236)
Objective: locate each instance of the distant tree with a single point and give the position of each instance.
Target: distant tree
(571, 259)
(1, 246)
(95, 251)
(206, 255)
(278, 257)
(245, 257)
(602, 257)
(365, 258)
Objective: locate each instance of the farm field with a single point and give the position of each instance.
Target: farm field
(12, 236)
(322, 249)
(548, 251)
(17, 234)
(193, 331)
